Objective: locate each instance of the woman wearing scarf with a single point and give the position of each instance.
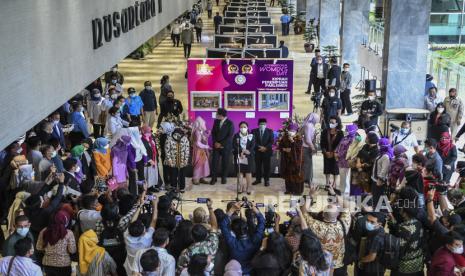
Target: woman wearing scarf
(77, 153)
(439, 122)
(120, 160)
(341, 157)
(363, 167)
(102, 157)
(58, 244)
(200, 147)
(290, 146)
(96, 112)
(140, 157)
(397, 168)
(351, 157)
(330, 138)
(93, 259)
(308, 131)
(380, 173)
(448, 152)
(151, 167)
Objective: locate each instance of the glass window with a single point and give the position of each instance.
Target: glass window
(446, 6)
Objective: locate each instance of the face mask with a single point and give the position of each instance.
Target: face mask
(358, 139)
(114, 96)
(148, 88)
(54, 154)
(114, 70)
(97, 95)
(332, 94)
(320, 61)
(132, 95)
(55, 122)
(107, 147)
(243, 130)
(22, 231)
(452, 97)
(414, 166)
(292, 133)
(457, 250)
(114, 81)
(440, 110)
(346, 69)
(404, 130)
(369, 226)
(209, 269)
(78, 169)
(18, 151)
(371, 98)
(332, 125)
(262, 127)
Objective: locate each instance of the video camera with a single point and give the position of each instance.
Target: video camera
(316, 99)
(394, 127)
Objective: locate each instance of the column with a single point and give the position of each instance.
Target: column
(355, 28)
(301, 6)
(330, 19)
(313, 9)
(405, 52)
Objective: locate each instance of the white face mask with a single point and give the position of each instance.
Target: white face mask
(243, 130)
(18, 151)
(107, 147)
(97, 95)
(148, 88)
(55, 122)
(292, 133)
(114, 96)
(78, 169)
(114, 70)
(209, 269)
(332, 125)
(371, 98)
(441, 109)
(457, 250)
(332, 94)
(346, 69)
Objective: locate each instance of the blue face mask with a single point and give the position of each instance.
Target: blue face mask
(132, 95)
(22, 231)
(262, 127)
(404, 131)
(369, 226)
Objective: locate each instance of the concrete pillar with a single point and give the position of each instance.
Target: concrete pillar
(405, 52)
(355, 28)
(330, 22)
(301, 6)
(313, 9)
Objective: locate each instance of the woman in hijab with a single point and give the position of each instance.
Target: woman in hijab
(397, 168)
(439, 122)
(58, 244)
(200, 148)
(76, 153)
(448, 152)
(93, 259)
(290, 146)
(101, 154)
(151, 167)
(363, 165)
(330, 138)
(341, 157)
(309, 148)
(120, 159)
(381, 169)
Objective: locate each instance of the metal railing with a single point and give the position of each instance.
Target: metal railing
(376, 37)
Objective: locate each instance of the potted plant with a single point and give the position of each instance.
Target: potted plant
(310, 36)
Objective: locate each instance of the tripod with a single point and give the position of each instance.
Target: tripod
(238, 171)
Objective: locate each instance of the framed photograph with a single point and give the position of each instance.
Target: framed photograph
(205, 100)
(239, 101)
(273, 101)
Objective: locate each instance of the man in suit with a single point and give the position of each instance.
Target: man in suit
(57, 129)
(263, 150)
(71, 169)
(217, 20)
(222, 133)
(334, 74)
(318, 75)
(169, 107)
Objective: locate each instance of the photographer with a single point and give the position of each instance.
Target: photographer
(242, 246)
(405, 137)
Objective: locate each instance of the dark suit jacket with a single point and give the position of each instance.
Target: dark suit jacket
(217, 20)
(58, 134)
(224, 134)
(334, 73)
(314, 71)
(250, 147)
(266, 141)
(71, 181)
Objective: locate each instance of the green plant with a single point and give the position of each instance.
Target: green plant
(331, 51)
(310, 33)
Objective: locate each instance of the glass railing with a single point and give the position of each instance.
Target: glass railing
(376, 37)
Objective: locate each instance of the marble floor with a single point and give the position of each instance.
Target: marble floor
(168, 60)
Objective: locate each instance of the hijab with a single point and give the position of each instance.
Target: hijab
(77, 151)
(56, 230)
(137, 143)
(385, 148)
(445, 144)
(198, 125)
(312, 118)
(355, 146)
(398, 150)
(351, 130)
(101, 144)
(89, 250)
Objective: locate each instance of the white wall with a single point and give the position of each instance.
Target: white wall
(47, 55)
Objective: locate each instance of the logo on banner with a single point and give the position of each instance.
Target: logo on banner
(240, 79)
(247, 69)
(233, 69)
(204, 69)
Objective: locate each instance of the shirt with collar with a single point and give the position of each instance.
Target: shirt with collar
(21, 266)
(320, 72)
(167, 262)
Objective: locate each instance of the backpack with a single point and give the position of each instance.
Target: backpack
(391, 253)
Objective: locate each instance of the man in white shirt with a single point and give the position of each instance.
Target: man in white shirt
(137, 238)
(21, 263)
(405, 137)
(167, 264)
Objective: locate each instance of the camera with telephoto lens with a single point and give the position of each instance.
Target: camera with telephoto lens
(316, 99)
(270, 216)
(246, 203)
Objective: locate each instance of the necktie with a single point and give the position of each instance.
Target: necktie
(261, 134)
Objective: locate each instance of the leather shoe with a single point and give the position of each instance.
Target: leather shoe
(267, 183)
(213, 181)
(223, 181)
(256, 182)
